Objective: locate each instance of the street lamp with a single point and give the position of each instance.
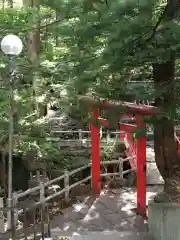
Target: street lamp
(12, 46)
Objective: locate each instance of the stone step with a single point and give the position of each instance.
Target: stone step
(153, 176)
(105, 235)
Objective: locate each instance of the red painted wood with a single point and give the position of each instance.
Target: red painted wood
(95, 138)
(127, 115)
(104, 122)
(131, 150)
(137, 148)
(178, 142)
(141, 168)
(126, 127)
(122, 135)
(140, 109)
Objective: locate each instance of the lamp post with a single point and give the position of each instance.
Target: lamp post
(12, 46)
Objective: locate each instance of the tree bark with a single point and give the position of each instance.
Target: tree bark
(166, 154)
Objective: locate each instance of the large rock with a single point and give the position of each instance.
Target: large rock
(163, 220)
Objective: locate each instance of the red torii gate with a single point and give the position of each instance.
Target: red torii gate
(138, 111)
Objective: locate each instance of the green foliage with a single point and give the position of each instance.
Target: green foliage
(138, 133)
(86, 47)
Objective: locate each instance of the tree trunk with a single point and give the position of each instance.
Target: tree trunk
(166, 155)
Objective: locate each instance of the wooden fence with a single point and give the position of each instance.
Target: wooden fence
(41, 224)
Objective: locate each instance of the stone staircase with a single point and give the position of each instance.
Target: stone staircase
(108, 216)
(80, 151)
(153, 175)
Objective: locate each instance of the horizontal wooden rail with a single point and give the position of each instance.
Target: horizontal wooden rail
(67, 188)
(46, 184)
(117, 161)
(41, 188)
(79, 169)
(117, 174)
(29, 191)
(54, 195)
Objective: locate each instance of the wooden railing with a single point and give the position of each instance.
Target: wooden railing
(66, 177)
(41, 206)
(80, 134)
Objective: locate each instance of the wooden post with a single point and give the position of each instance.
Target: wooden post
(95, 143)
(15, 202)
(66, 185)
(41, 192)
(48, 222)
(38, 176)
(80, 135)
(141, 169)
(44, 174)
(25, 224)
(2, 230)
(31, 176)
(34, 222)
(13, 224)
(121, 168)
(42, 209)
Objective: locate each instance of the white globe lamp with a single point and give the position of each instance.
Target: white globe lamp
(11, 45)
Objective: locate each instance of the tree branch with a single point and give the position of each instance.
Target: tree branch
(154, 30)
(167, 14)
(35, 28)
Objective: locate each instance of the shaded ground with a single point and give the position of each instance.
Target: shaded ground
(109, 211)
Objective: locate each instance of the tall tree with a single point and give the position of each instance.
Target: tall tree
(166, 154)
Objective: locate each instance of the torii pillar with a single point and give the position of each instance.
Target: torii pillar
(95, 148)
